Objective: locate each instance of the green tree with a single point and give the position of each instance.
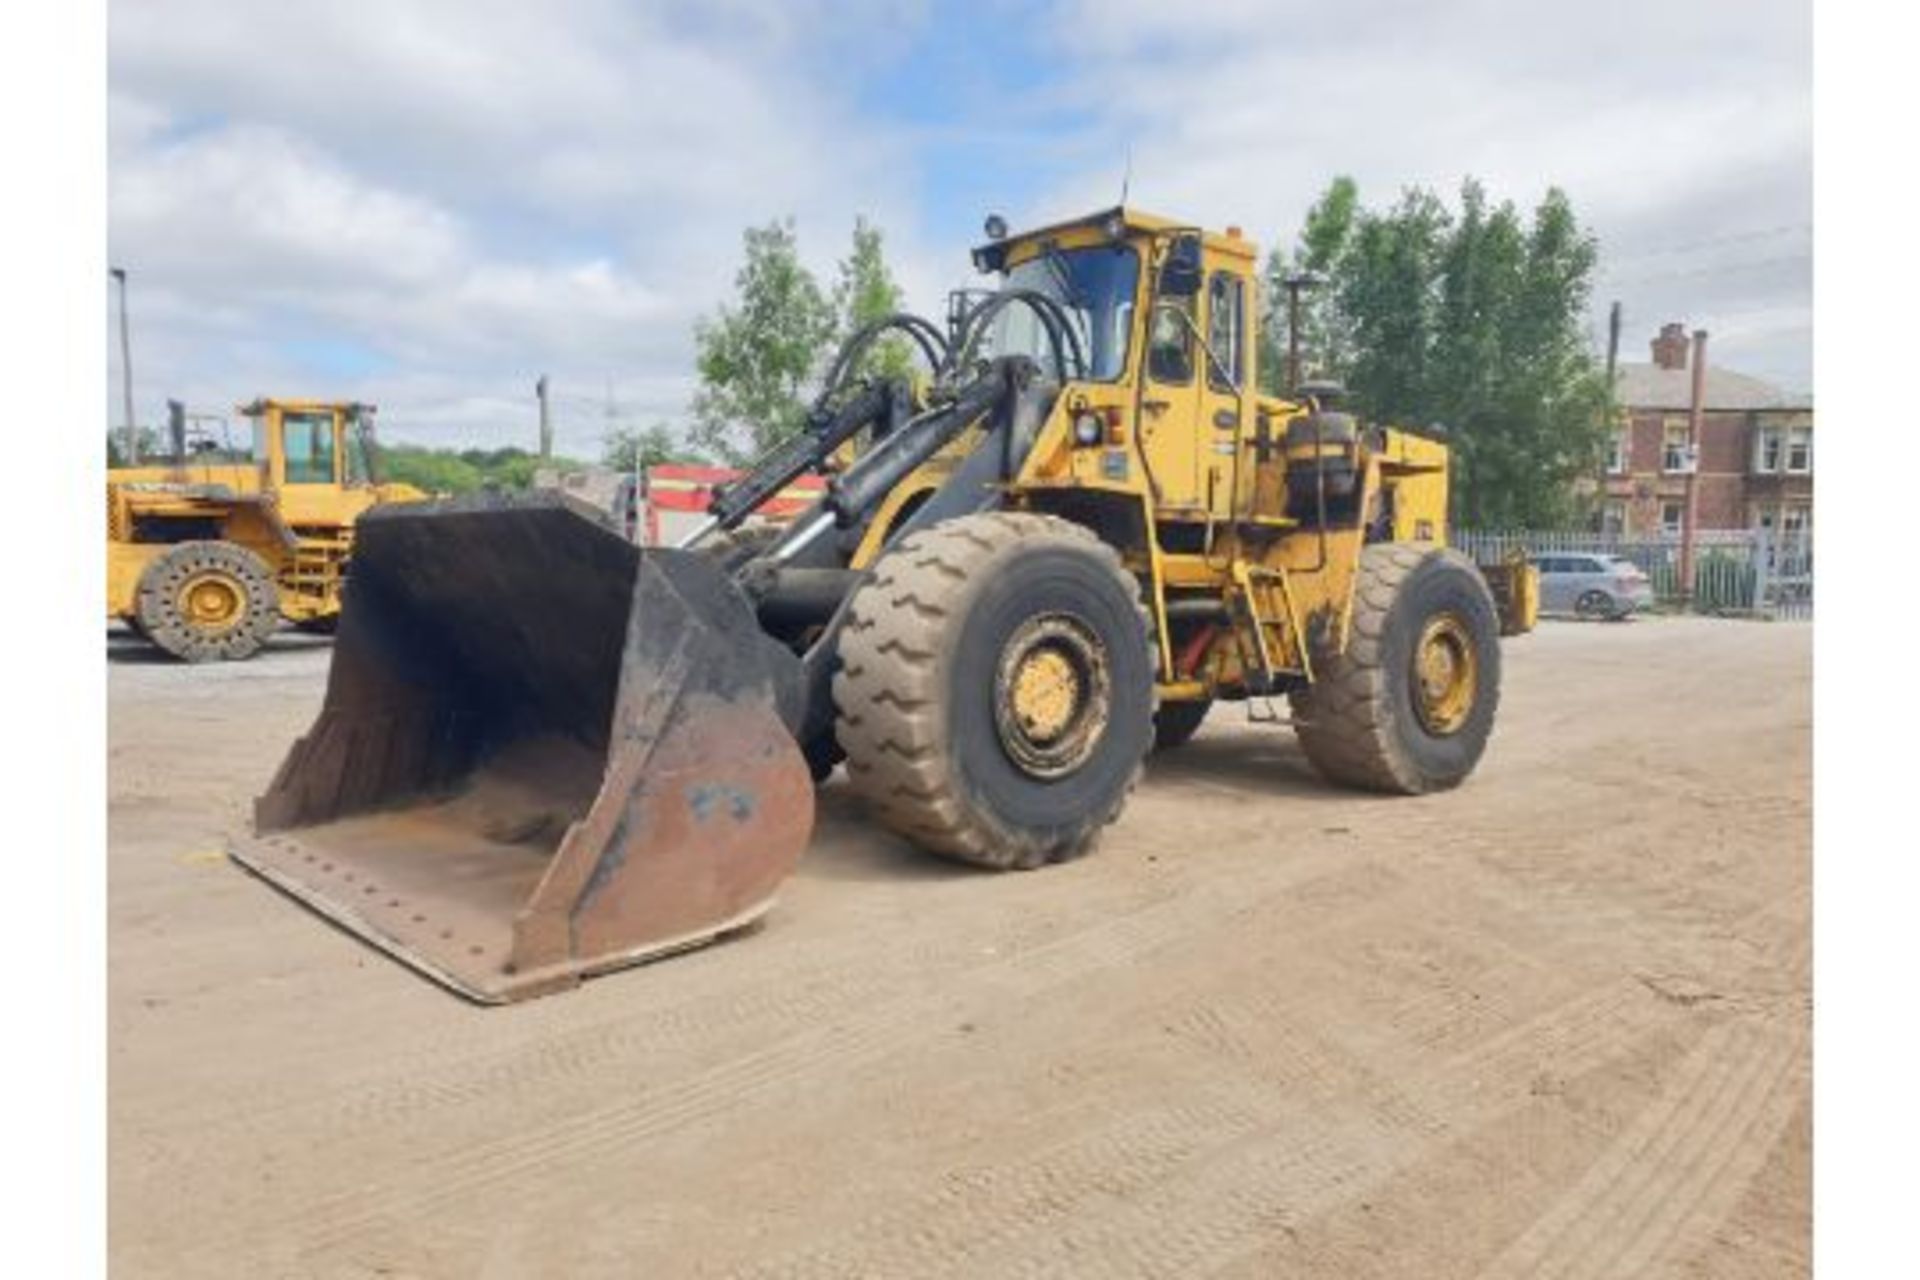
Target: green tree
(756, 357)
(148, 440)
(866, 292)
(1323, 345)
(624, 449)
(465, 470)
(1473, 320)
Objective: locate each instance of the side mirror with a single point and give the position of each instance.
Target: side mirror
(1180, 272)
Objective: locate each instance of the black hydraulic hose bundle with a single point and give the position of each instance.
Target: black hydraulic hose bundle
(867, 482)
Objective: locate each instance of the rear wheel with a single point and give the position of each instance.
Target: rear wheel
(1594, 604)
(1175, 722)
(208, 601)
(995, 693)
(1408, 706)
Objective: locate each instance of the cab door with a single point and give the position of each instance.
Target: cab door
(1224, 369)
(312, 464)
(1169, 426)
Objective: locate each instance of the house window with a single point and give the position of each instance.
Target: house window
(1673, 453)
(1671, 516)
(1794, 522)
(1766, 450)
(1800, 450)
(1617, 453)
(1613, 516)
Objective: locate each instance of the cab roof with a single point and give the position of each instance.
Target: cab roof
(992, 255)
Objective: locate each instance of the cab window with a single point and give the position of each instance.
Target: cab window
(1170, 341)
(1225, 299)
(309, 446)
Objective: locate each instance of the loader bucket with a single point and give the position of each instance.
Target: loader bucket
(543, 752)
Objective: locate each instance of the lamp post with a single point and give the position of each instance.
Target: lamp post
(1294, 284)
(126, 372)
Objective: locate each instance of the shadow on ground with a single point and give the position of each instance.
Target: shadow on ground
(123, 646)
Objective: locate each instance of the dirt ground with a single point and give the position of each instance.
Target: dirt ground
(1555, 1023)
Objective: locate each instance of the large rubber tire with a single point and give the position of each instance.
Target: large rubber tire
(170, 625)
(1175, 722)
(1358, 721)
(921, 669)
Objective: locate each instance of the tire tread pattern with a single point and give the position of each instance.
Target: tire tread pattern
(894, 656)
(158, 615)
(1345, 719)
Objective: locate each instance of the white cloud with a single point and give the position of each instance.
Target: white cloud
(468, 193)
(429, 202)
(1666, 124)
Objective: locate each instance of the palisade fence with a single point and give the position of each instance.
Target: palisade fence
(1747, 573)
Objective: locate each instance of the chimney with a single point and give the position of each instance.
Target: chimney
(1670, 348)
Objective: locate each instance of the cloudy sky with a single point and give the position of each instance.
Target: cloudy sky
(427, 203)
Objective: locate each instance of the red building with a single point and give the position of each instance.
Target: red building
(1753, 467)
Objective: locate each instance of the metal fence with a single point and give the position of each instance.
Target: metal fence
(1748, 573)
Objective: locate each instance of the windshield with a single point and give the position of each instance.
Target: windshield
(1095, 287)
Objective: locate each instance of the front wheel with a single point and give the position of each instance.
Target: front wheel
(1408, 705)
(207, 601)
(995, 691)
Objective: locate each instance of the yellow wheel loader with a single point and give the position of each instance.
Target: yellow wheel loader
(545, 752)
(206, 554)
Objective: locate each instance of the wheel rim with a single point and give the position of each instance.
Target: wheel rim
(212, 601)
(1446, 675)
(1052, 695)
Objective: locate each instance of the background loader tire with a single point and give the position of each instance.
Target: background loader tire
(208, 601)
(1369, 720)
(966, 631)
(1175, 722)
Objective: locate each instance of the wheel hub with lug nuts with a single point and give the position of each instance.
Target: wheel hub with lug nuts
(1445, 675)
(1052, 695)
(212, 601)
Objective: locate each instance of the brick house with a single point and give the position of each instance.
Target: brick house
(1755, 455)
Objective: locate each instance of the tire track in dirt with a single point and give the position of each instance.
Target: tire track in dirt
(1700, 1142)
(474, 1062)
(1276, 1155)
(785, 1063)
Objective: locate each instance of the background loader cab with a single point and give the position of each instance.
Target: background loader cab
(206, 554)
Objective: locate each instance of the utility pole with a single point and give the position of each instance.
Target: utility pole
(1295, 284)
(126, 372)
(1696, 428)
(1613, 347)
(546, 420)
(1609, 409)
